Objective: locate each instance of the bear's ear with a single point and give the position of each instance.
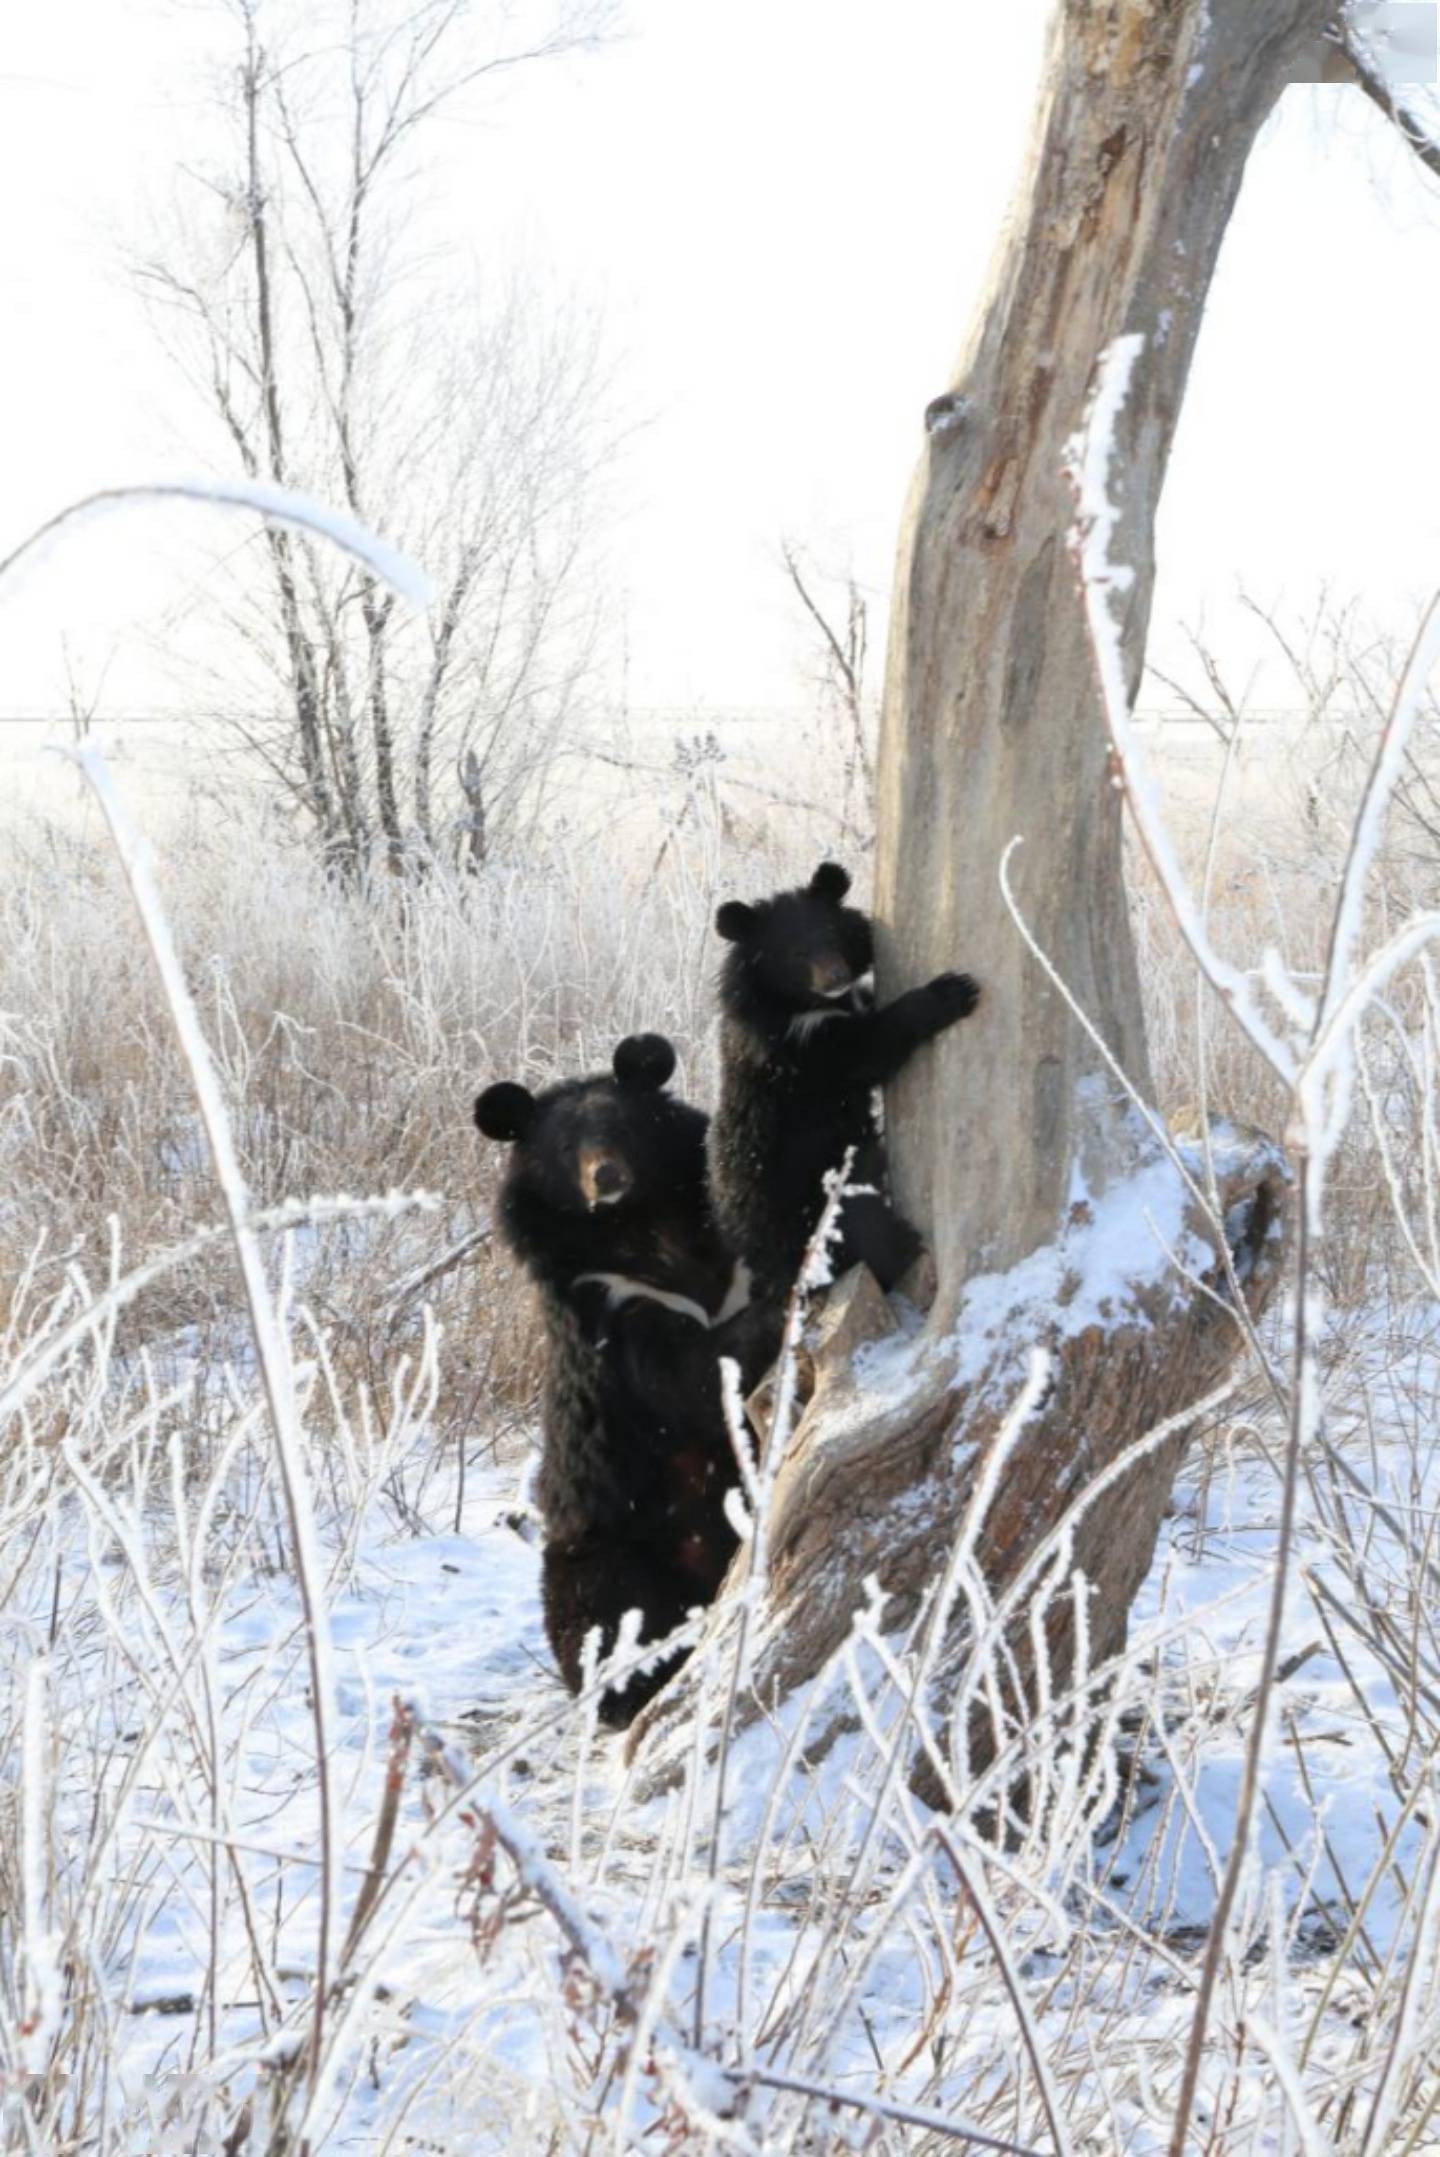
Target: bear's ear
(735, 921)
(830, 881)
(644, 1062)
(505, 1110)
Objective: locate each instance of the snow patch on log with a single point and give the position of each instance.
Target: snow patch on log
(1115, 1249)
(1127, 1254)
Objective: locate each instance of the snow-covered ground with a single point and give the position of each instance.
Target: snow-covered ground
(163, 1918)
(518, 1953)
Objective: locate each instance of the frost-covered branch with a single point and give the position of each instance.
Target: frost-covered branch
(1315, 1061)
(1102, 580)
(278, 505)
(1402, 112)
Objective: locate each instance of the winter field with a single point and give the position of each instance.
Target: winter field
(536, 361)
(303, 1845)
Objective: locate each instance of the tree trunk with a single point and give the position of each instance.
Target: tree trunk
(377, 615)
(991, 724)
(303, 681)
(472, 786)
(1011, 1143)
(441, 652)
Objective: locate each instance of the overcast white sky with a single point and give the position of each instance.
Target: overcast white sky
(786, 208)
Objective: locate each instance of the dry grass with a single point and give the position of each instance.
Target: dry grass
(352, 1032)
(889, 1973)
(351, 1035)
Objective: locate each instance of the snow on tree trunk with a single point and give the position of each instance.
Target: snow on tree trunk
(1055, 1215)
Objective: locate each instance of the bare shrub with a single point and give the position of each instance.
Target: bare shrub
(351, 1030)
(297, 292)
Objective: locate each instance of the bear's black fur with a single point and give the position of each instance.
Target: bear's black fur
(802, 1050)
(606, 1206)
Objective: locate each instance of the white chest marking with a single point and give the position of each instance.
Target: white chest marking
(737, 1296)
(620, 1289)
(803, 1025)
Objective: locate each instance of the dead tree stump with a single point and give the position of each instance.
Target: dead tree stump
(878, 1479)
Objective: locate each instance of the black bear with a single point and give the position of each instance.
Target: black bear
(802, 1051)
(605, 1204)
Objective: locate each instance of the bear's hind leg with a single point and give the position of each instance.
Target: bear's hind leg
(593, 1583)
(874, 1235)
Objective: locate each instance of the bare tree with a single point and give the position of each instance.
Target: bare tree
(1017, 1139)
(463, 422)
(843, 645)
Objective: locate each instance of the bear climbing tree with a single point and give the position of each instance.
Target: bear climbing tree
(802, 1048)
(1013, 1145)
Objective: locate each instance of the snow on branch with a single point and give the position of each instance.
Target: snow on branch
(1385, 772)
(1314, 1061)
(278, 505)
(1393, 61)
(271, 1344)
(718, 2094)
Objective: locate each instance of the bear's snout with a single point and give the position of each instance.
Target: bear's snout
(604, 1177)
(830, 976)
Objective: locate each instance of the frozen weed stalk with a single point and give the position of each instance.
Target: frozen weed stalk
(1311, 1050)
(269, 1329)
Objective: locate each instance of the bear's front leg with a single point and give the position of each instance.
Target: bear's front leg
(874, 1046)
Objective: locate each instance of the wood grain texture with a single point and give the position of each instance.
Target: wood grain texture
(991, 726)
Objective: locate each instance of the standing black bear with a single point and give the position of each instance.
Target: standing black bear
(802, 1051)
(605, 1204)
